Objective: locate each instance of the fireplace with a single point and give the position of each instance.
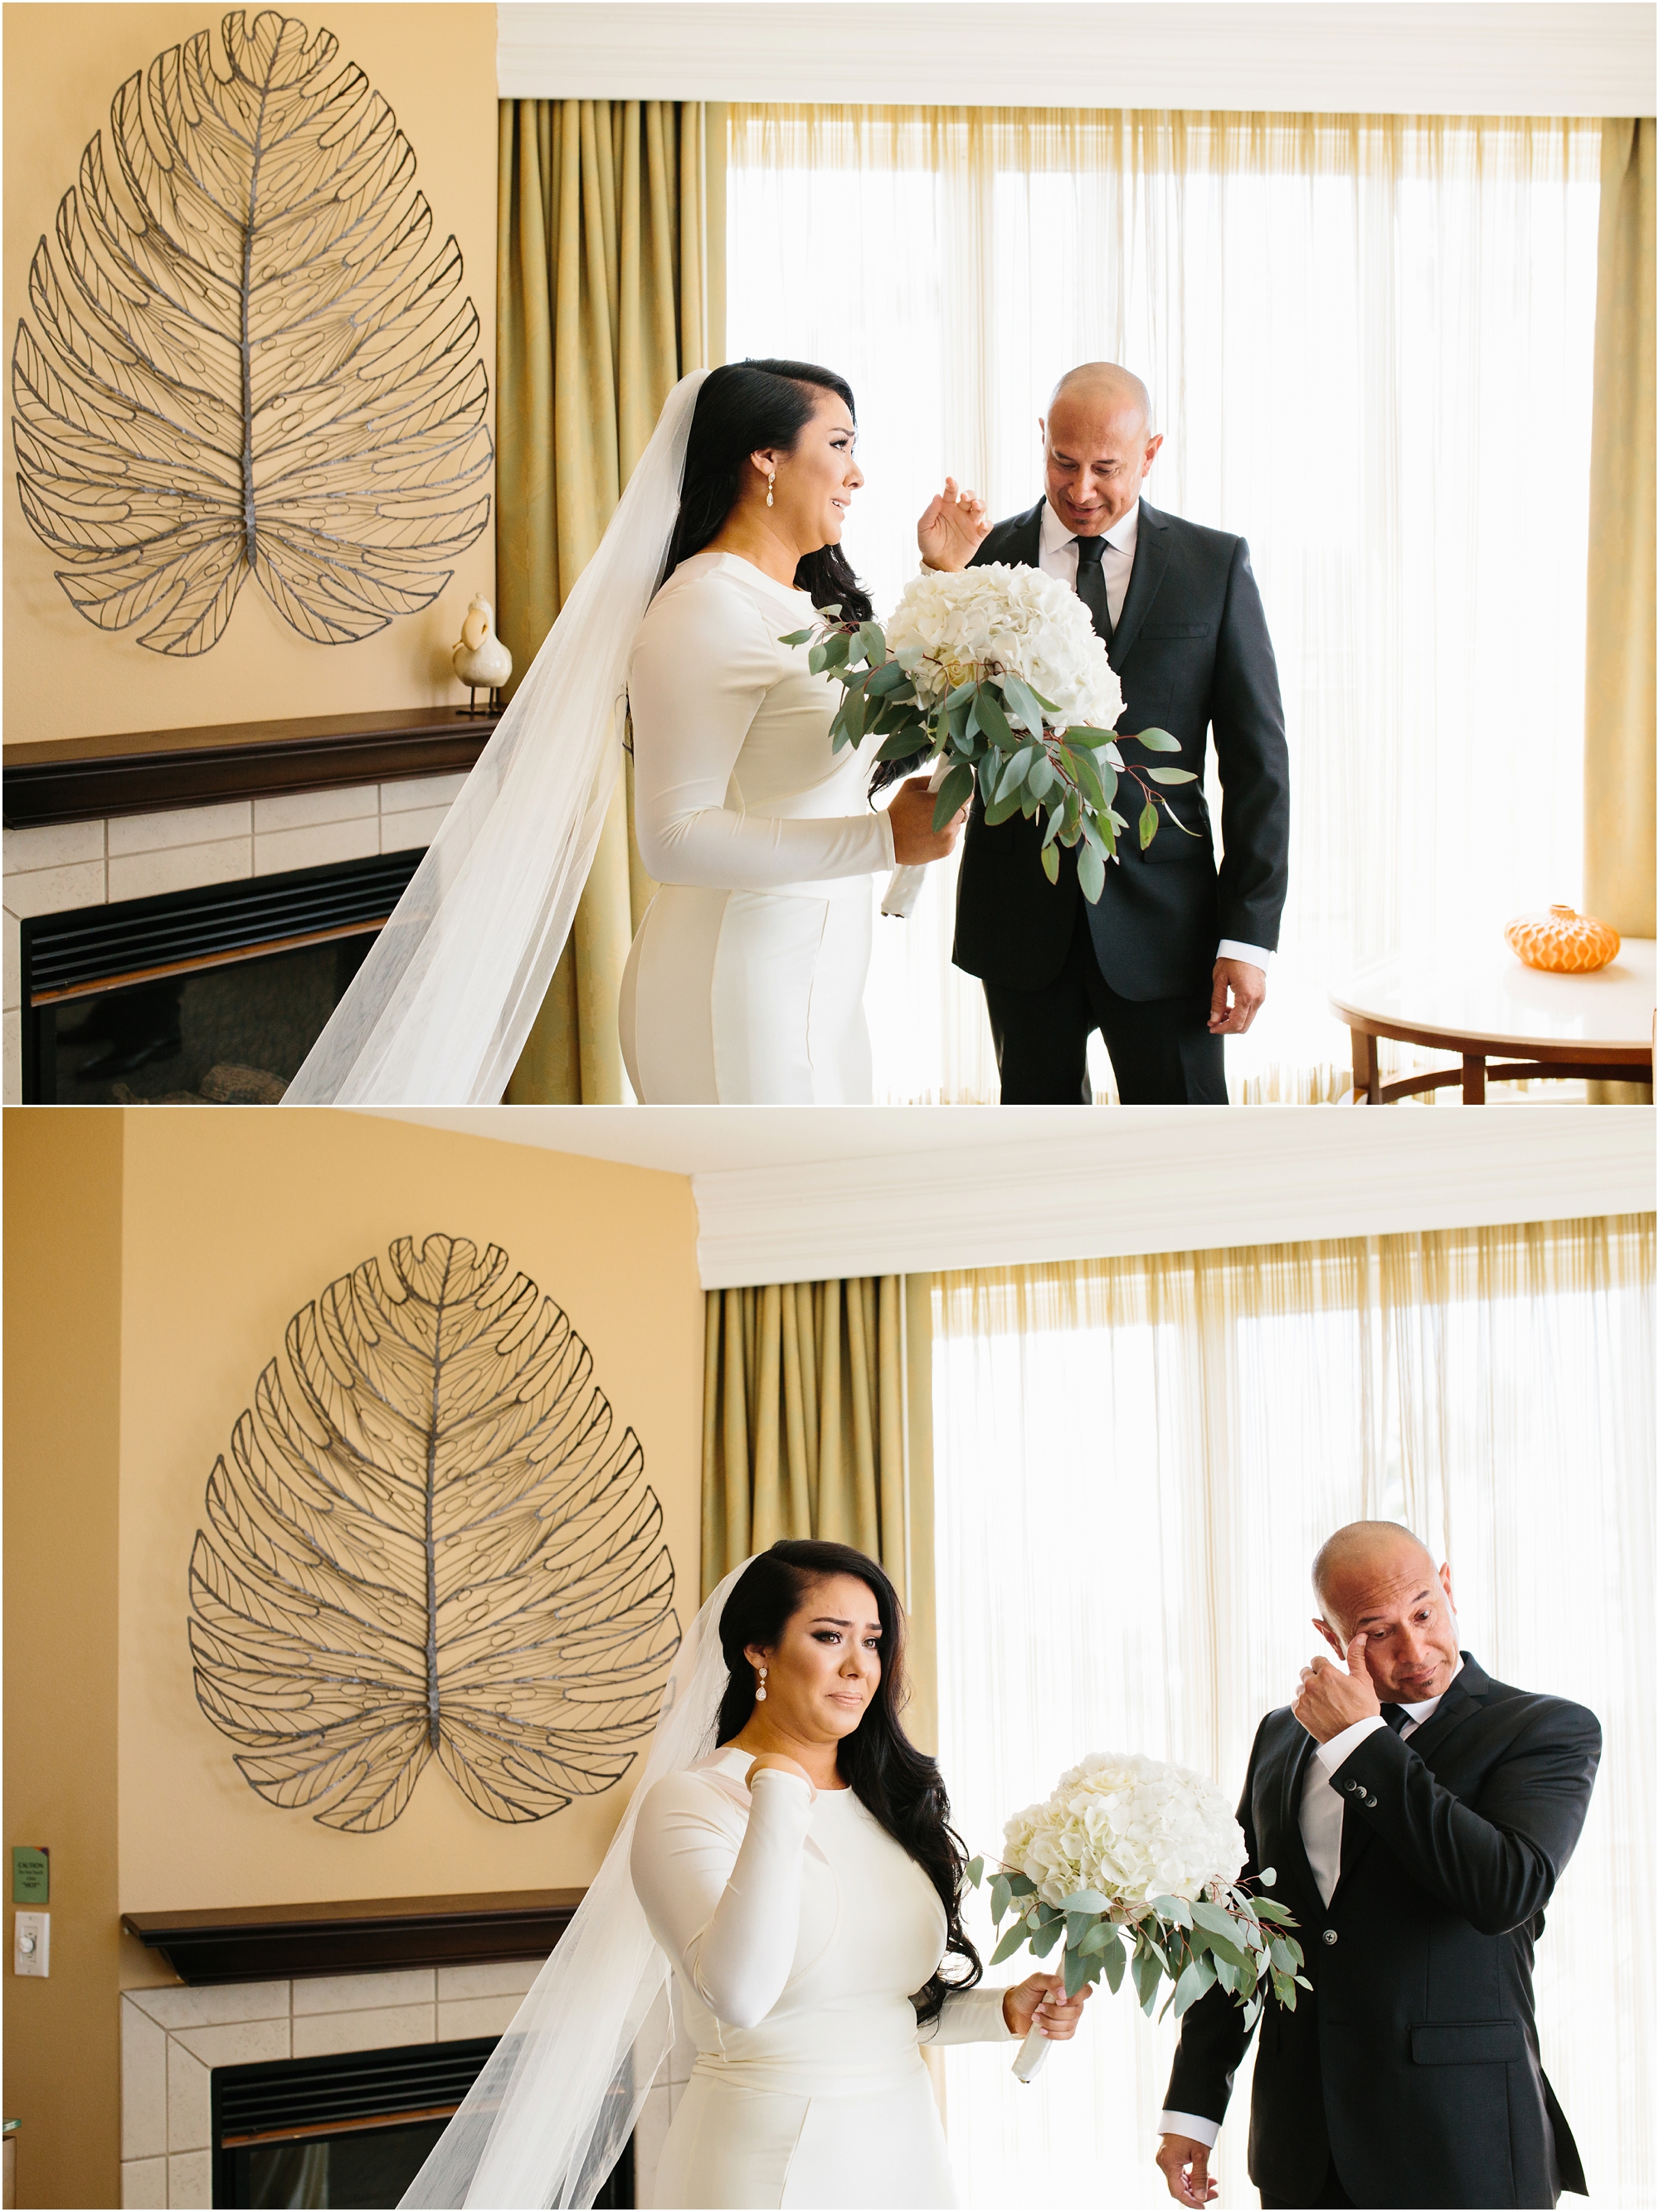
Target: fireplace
(349, 2129)
(311, 2054)
(352, 2128)
(184, 908)
(211, 995)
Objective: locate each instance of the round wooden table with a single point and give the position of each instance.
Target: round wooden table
(1504, 1020)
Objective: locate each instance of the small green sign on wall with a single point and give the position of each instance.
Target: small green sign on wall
(31, 1874)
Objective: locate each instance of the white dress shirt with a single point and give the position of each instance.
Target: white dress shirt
(1057, 557)
(1319, 1818)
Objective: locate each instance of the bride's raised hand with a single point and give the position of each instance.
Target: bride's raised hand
(1041, 2000)
(783, 1763)
(915, 840)
(952, 528)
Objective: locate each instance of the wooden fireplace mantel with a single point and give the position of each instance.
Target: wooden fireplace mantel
(82, 779)
(274, 1942)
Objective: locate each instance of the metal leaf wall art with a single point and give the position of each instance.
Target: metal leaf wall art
(425, 1543)
(245, 354)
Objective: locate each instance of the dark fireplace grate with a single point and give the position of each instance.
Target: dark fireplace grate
(312, 2096)
(99, 947)
(214, 994)
(349, 2129)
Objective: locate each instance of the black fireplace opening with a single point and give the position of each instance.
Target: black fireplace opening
(211, 996)
(351, 2128)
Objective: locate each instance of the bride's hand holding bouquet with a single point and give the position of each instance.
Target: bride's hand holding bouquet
(918, 837)
(1039, 2007)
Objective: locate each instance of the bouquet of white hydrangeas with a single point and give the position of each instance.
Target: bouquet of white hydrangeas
(949, 628)
(996, 676)
(1135, 1862)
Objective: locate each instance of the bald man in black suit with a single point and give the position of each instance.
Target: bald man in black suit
(1418, 1815)
(1173, 957)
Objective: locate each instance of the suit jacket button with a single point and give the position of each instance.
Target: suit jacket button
(1370, 1802)
(1329, 1935)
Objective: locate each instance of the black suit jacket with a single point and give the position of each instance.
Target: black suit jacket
(1192, 654)
(1413, 2065)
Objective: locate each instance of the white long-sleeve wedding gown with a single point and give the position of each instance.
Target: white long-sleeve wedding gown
(745, 983)
(797, 1929)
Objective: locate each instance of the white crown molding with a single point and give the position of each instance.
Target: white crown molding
(787, 1194)
(1370, 57)
(1180, 1181)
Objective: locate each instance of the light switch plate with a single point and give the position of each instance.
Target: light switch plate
(31, 1944)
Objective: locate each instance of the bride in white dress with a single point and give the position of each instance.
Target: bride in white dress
(787, 1860)
(745, 983)
(804, 1882)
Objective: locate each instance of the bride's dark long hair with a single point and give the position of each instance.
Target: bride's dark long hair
(899, 1786)
(742, 408)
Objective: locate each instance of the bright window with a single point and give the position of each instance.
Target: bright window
(1134, 1462)
(1368, 344)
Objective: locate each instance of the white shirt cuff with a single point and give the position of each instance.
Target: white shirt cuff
(1231, 948)
(1332, 1755)
(888, 858)
(1189, 2123)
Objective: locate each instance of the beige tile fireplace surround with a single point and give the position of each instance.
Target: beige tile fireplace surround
(173, 2037)
(59, 866)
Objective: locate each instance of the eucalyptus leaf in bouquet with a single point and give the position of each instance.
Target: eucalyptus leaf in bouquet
(1134, 1865)
(995, 678)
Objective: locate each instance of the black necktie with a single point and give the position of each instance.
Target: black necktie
(1092, 584)
(1396, 1716)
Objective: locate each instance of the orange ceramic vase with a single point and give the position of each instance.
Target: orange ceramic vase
(1562, 941)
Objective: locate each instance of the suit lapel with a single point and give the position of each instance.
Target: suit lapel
(1025, 547)
(1293, 1852)
(1466, 1692)
(1151, 559)
(1021, 547)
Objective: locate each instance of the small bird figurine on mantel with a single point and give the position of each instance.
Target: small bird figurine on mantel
(481, 661)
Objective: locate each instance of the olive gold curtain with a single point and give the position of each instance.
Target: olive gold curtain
(1618, 669)
(609, 251)
(802, 1421)
(817, 1421)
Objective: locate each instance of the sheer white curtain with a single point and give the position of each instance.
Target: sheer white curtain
(1369, 343)
(1134, 1461)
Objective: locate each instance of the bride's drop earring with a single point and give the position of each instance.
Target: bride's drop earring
(771, 478)
(760, 1687)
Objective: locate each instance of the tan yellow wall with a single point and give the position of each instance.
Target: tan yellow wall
(234, 1220)
(435, 64)
(152, 1259)
(63, 1283)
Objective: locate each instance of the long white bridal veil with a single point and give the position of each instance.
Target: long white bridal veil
(546, 2120)
(438, 1014)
